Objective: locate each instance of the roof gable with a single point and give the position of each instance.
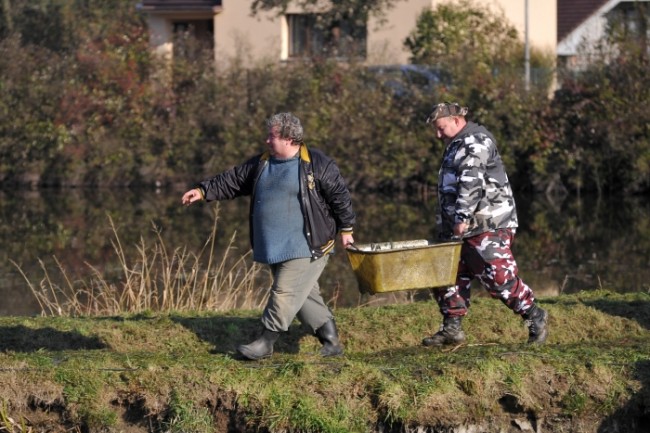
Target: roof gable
(588, 26)
(572, 13)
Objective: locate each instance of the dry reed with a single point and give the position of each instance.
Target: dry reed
(157, 279)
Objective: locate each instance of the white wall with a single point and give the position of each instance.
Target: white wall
(542, 20)
(386, 43)
(249, 39)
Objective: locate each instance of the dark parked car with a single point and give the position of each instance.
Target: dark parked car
(404, 80)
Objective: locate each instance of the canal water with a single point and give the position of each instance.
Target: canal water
(562, 246)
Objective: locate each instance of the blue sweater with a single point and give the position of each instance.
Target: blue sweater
(278, 224)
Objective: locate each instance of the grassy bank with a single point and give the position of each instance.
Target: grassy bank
(178, 372)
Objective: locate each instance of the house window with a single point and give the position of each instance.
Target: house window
(192, 36)
(309, 36)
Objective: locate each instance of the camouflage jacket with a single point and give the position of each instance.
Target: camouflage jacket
(473, 185)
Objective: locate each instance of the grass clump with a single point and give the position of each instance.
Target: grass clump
(178, 371)
(185, 416)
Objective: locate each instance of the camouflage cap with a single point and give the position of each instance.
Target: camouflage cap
(446, 109)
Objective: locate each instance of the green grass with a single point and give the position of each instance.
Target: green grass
(178, 371)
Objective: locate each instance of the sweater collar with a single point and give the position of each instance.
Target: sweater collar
(304, 154)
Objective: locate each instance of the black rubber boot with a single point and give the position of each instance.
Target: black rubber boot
(329, 338)
(537, 322)
(260, 348)
(450, 333)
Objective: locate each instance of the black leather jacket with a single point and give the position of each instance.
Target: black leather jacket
(325, 200)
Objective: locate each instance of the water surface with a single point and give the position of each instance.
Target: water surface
(561, 246)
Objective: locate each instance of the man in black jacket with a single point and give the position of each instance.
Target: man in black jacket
(299, 202)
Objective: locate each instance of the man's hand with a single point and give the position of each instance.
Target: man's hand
(347, 240)
(460, 229)
(191, 196)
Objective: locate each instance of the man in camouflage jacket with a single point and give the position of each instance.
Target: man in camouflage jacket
(477, 206)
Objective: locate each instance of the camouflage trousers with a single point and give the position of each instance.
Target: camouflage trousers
(488, 258)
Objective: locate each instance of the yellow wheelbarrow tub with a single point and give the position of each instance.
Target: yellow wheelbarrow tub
(404, 265)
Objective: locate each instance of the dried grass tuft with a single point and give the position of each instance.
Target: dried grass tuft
(157, 279)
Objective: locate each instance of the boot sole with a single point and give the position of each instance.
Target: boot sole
(329, 354)
(428, 343)
(252, 356)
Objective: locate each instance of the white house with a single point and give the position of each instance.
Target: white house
(233, 31)
(582, 24)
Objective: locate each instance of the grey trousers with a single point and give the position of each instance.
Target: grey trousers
(295, 292)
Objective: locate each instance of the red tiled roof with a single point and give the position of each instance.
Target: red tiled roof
(572, 13)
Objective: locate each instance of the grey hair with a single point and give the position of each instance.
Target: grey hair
(288, 126)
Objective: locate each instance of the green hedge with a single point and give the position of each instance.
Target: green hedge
(87, 104)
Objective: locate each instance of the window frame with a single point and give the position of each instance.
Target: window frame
(341, 39)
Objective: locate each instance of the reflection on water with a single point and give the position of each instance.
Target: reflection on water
(560, 247)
